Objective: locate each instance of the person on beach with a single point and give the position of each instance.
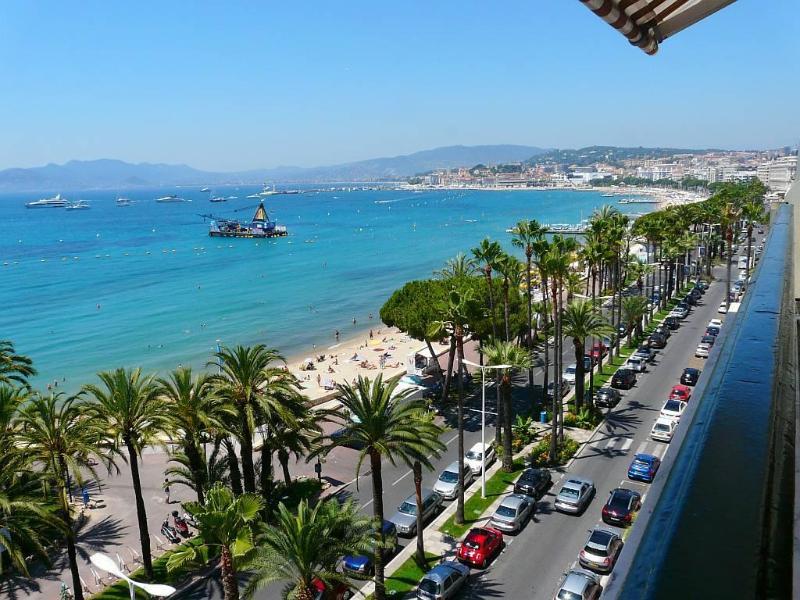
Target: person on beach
(337, 335)
(371, 334)
(166, 489)
(319, 379)
(354, 320)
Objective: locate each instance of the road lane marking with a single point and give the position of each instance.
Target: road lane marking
(366, 504)
(403, 477)
(642, 448)
(611, 442)
(626, 446)
(451, 440)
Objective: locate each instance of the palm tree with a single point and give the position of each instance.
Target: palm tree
(729, 214)
(290, 548)
(500, 352)
(245, 372)
(459, 266)
(634, 308)
(541, 250)
(384, 423)
(581, 320)
(526, 233)
(488, 253)
(752, 212)
(214, 469)
(133, 415)
(56, 435)
(14, 368)
(509, 268)
(225, 524)
(293, 440)
(194, 412)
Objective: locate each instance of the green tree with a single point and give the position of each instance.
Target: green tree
(487, 254)
(133, 415)
(384, 423)
(293, 439)
(581, 320)
(459, 266)
(14, 368)
(225, 524)
(634, 308)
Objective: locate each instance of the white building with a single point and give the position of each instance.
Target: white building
(778, 174)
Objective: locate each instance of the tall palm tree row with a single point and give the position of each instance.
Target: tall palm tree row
(581, 321)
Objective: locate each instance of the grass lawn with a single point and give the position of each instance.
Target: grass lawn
(497, 484)
(408, 575)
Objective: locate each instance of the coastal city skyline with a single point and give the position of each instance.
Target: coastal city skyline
(263, 86)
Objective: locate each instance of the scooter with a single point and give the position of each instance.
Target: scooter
(180, 525)
(168, 531)
(189, 520)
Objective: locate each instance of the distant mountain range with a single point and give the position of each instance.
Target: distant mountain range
(108, 173)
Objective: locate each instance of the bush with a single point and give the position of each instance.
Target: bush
(540, 455)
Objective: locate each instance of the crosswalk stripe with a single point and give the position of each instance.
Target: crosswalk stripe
(611, 442)
(641, 448)
(627, 444)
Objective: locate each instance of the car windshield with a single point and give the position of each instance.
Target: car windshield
(661, 427)
(429, 586)
(618, 502)
(530, 477)
(449, 477)
(567, 595)
(408, 509)
(673, 406)
(568, 493)
(506, 511)
(571, 370)
(474, 455)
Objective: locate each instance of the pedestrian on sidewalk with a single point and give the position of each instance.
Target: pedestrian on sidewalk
(85, 495)
(166, 489)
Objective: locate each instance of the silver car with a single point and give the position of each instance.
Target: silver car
(513, 512)
(579, 585)
(443, 581)
(601, 551)
(447, 484)
(636, 363)
(575, 495)
(405, 519)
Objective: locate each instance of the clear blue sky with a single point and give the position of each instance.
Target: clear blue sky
(236, 85)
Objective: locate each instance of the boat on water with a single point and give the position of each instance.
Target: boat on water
(205, 189)
(259, 227)
(170, 198)
(56, 201)
(79, 205)
(254, 196)
(219, 199)
(124, 202)
(609, 195)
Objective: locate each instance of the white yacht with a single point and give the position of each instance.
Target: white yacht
(55, 202)
(124, 202)
(79, 205)
(205, 189)
(170, 198)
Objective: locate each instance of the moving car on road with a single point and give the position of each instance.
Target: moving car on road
(443, 581)
(480, 546)
(474, 457)
(624, 379)
(405, 519)
(601, 551)
(690, 376)
(579, 585)
(447, 484)
(533, 483)
(673, 409)
(663, 429)
(644, 467)
(621, 506)
(575, 495)
(608, 397)
(513, 513)
(680, 392)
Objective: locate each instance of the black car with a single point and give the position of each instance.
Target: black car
(622, 329)
(699, 288)
(624, 379)
(684, 305)
(690, 376)
(533, 483)
(646, 352)
(691, 300)
(696, 293)
(663, 331)
(657, 340)
(608, 397)
(708, 339)
(672, 323)
(712, 330)
(621, 505)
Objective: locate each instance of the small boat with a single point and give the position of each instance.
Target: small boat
(205, 189)
(79, 205)
(607, 195)
(170, 198)
(124, 202)
(254, 196)
(219, 199)
(56, 201)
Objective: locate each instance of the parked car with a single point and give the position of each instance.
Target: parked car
(624, 379)
(364, 565)
(712, 330)
(570, 372)
(513, 513)
(620, 507)
(708, 339)
(588, 363)
(598, 351)
(663, 429)
(657, 340)
(442, 582)
(644, 467)
(690, 299)
(601, 551)
(646, 352)
(447, 483)
(344, 433)
(679, 312)
(715, 323)
(723, 307)
(575, 495)
(690, 376)
(474, 457)
(622, 329)
(636, 363)
(702, 350)
(673, 409)
(680, 392)
(672, 323)
(480, 546)
(405, 519)
(533, 483)
(662, 330)
(565, 388)
(608, 397)
(579, 585)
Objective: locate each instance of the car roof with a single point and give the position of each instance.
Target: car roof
(453, 467)
(443, 570)
(601, 537)
(412, 499)
(691, 370)
(479, 447)
(574, 482)
(664, 421)
(681, 387)
(514, 500)
(479, 534)
(624, 492)
(532, 472)
(645, 457)
(576, 582)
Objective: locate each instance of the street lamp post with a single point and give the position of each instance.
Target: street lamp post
(107, 564)
(483, 417)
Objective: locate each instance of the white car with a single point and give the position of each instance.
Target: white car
(474, 457)
(723, 308)
(702, 350)
(673, 409)
(636, 363)
(569, 373)
(714, 323)
(663, 429)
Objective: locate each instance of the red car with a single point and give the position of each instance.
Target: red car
(322, 592)
(598, 351)
(680, 392)
(480, 545)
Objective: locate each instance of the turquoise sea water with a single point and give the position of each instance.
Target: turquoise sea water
(83, 291)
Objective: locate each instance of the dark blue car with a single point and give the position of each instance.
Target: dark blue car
(364, 565)
(644, 467)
